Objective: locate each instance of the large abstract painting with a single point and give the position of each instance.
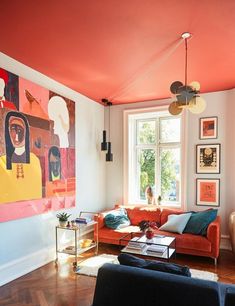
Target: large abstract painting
(37, 149)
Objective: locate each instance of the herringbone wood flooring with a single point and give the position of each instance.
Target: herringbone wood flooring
(60, 286)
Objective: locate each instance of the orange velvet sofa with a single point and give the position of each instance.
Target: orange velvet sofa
(185, 243)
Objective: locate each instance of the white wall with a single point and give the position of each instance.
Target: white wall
(28, 243)
(219, 104)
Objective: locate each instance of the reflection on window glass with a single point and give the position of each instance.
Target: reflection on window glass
(170, 130)
(146, 162)
(170, 174)
(146, 132)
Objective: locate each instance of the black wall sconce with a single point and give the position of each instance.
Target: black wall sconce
(106, 145)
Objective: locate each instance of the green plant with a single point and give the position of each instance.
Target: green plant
(148, 225)
(63, 216)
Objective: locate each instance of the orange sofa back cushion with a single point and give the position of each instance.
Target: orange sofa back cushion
(140, 213)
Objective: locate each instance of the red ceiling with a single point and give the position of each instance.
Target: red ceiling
(124, 50)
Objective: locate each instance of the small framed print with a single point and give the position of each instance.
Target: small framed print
(208, 192)
(208, 158)
(208, 128)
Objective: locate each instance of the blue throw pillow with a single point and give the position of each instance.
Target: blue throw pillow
(130, 260)
(117, 219)
(199, 222)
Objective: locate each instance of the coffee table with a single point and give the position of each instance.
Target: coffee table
(159, 246)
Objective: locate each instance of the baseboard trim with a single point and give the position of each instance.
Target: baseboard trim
(28, 263)
(225, 243)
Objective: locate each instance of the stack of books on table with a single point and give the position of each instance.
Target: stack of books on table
(83, 220)
(135, 245)
(156, 249)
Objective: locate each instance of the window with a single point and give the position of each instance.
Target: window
(153, 155)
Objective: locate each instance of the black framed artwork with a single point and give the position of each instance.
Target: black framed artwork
(208, 128)
(208, 158)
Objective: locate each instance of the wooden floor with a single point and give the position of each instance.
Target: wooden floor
(60, 286)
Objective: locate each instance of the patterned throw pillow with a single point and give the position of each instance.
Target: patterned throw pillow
(117, 219)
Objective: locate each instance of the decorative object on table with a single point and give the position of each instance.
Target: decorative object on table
(208, 192)
(208, 128)
(83, 220)
(159, 200)
(73, 223)
(63, 219)
(186, 95)
(85, 243)
(148, 228)
(106, 145)
(149, 195)
(232, 230)
(208, 158)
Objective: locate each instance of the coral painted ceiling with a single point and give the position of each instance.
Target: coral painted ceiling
(124, 50)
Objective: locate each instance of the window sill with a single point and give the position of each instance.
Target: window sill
(170, 205)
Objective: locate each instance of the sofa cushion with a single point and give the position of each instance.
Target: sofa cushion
(130, 260)
(117, 219)
(176, 223)
(109, 235)
(138, 214)
(199, 222)
(130, 286)
(166, 212)
(189, 241)
(230, 297)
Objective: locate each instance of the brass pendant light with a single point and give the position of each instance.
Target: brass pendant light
(187, 96)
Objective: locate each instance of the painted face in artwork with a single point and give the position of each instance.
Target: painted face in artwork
(17, 132)
(58, 112)
(54, 164)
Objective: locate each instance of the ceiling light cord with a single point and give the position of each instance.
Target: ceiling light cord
(186, 62)
(142, 73)
(109, 123)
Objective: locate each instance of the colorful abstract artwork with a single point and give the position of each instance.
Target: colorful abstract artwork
(37, 149)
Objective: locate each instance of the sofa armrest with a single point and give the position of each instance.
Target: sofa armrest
(214, 235)
(100, 219)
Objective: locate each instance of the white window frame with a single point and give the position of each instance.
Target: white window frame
(130, 115)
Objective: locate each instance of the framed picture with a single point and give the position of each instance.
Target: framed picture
(208, 192)
(208, 128)
(208, 158)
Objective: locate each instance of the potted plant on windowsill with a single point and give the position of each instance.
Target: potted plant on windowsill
(159, 200)
(63, 218)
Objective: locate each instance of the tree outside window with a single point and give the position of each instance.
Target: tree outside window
(157, 151)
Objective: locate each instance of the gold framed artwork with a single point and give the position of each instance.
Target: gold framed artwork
(208, 158)
(208, 192)
(208, 128)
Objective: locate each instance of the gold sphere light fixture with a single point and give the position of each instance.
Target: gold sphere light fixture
(186, 95)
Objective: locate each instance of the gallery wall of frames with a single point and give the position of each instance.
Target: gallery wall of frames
(37, 149)
(208, 157)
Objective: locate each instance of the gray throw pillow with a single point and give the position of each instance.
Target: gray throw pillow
(176, 223)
